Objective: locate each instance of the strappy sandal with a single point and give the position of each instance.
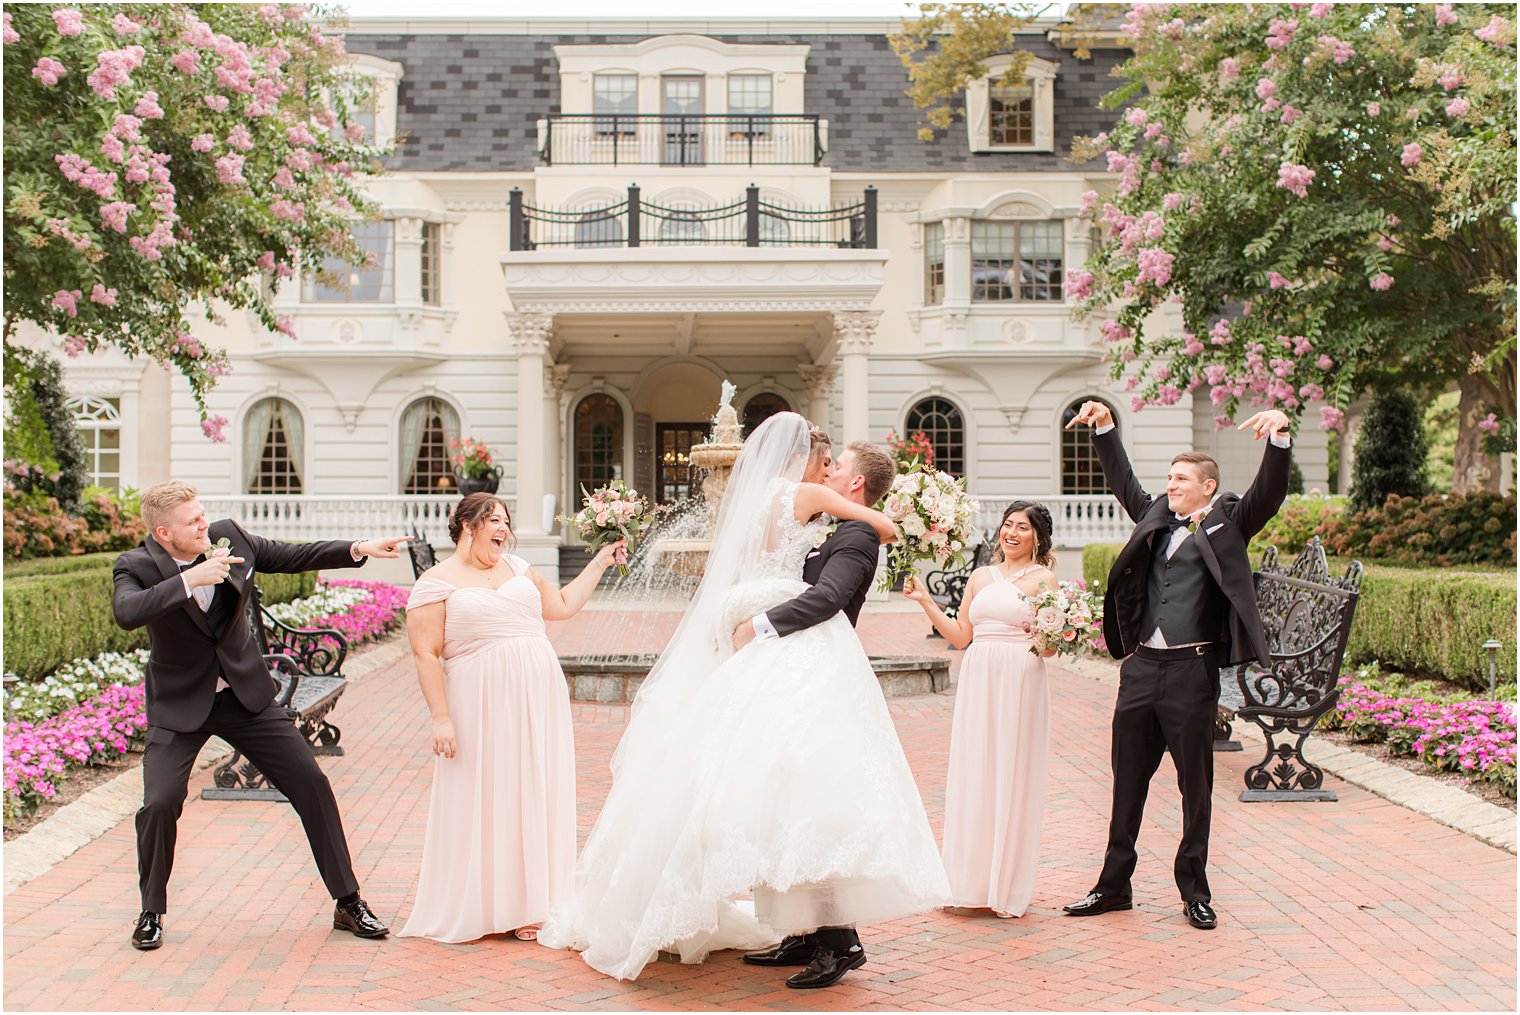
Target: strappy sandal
(526, 933)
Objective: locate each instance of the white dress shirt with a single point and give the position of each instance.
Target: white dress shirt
(202, 594)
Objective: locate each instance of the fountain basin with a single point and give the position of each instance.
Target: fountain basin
(686, 557)
(615, 679)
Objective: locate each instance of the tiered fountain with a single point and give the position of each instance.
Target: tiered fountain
(688, 556)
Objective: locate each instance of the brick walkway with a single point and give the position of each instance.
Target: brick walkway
(1356, 905)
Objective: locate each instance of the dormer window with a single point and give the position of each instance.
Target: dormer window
(750, 95)
(1013, 118)
(615, 95)
(376, 112)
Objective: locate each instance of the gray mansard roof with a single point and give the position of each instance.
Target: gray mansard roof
(469, 103)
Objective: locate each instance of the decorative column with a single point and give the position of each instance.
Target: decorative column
(819, 379)
(855, 329)
(406, 274)
(530, 340)
(555, 376)
(957, 281)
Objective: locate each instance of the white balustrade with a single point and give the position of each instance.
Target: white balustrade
(1077, 519)
(316, 516)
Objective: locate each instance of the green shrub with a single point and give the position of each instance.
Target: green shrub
(1441, 531)
(1390, 451)
(61, 565)
(1299, 519)
(39, 428)
(37, 526)
(51, 619)
(1424, 622)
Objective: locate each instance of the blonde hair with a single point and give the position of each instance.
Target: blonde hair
(876, 466)
(158, 500)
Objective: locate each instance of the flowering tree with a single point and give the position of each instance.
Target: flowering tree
(1327, 192)
(163, 155)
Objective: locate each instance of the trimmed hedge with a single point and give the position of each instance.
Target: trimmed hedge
(61, 565)
(1422, 621)
(51, 619)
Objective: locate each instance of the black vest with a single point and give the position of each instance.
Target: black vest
(1181, 597)
(223, 608)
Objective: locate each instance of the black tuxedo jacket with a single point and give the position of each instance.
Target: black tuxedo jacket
(1222, 537)
(840, 572)
(186, 654)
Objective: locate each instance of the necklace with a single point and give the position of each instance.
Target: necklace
(1020, 573)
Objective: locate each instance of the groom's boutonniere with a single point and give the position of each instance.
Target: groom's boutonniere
(822, 533)
(1198, 518)
(222, 544)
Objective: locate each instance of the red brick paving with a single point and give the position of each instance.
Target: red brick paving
(1355, 905)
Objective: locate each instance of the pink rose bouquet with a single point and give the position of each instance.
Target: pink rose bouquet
(1067, 618)
(610, 513)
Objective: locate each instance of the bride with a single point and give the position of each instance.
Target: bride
(774, 770)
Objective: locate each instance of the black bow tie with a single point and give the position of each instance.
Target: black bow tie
(1173, 523)
(198, 560)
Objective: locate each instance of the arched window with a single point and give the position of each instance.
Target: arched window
(98, 421)
(761, 408)
(679, 229)
(427, 427)
(1080, 471)
(943, 424)
(274, 447)
(598, 229)
(598, 442)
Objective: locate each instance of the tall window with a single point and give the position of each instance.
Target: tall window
(373, 282)
(598, 442)
(1015, 261)
(749, 95)
(98, 421)
(675, 480)
(427, 427)
(761, 408)
(943, 424)
(1012, 115)
(598, 229)
(615, 95)
(432, 263)
(274, 447)
(1080, 471)
(934, 263)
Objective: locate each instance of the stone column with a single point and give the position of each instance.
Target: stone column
(555, 376)
(957, 281)
(855, 329)
(530, 340)
(819, 379)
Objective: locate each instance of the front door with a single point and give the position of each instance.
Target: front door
(674, 477)
(681, 103)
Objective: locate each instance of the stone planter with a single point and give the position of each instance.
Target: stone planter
(483, 484)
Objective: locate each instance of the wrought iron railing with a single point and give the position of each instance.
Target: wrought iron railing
(581, 139)
(635, 222)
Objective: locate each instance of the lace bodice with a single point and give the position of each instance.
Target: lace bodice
(790, 539)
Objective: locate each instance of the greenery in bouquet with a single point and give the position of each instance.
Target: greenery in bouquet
(912, 452)
(933, 515)
(1067, 618)
(610, 513)
(473, 459)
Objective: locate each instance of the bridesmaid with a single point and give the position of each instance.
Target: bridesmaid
(1000, 735)
(500, 844)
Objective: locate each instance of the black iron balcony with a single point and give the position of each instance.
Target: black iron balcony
(586, 139)
(750, 222)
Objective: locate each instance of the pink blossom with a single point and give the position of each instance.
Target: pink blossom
(1451, 79)
(66, 300)
(292, 211)
(125, 25)
(1280, 33)
(202, 143)
(229, 169)
(127, 127)
(1490, 424)
(1490, 32)
(1089, 198)
(1153, 130)
(1384, 243)
(1078, 284)
(1444, 15)
(80, 171)
(186, 61)
(1331, 418)
(1458, 107)
(216, 102)
(73, 345)
(240, 139)
(1229, 68)
(1295, 178)
(1291, 113)
(1215, 373)
(1324, 362)
(1265, 88)
(1311, 392)
(148, 107)
(212, 428)
(299, 159)
(1155, 266)
(1168, 394)
(266, 260)
(1302, 346)
(1339, 51)
(68, 22)
(1374, 108)
(1270, 106)
(1382, 281)
(1171, 202)
(1191, 346)
(105, 297)
(1112, 331)
(286, 326)
(1136, 404)
(48, 71)
(1136, 117)
(1412, 154)
(114, 67)
(1131, 383)
(1219, 334)
(1392, 220)
(8, 33)
(300, 134)
(114, 215)
(1320, 10)
(1277, 281)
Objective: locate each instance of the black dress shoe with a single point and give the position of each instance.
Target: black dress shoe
(828, 968)
(149, 932)
(358, 920)
(1097, 902)
(1200, 915)
(792, 951)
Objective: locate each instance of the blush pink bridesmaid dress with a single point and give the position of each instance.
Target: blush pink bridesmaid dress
(999, 743)
(500, 845)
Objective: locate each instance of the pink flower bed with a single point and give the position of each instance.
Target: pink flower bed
(381, 614)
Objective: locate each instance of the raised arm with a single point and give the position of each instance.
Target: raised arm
(134, 604)
(849, 567)
(564, 603)
(957, 630)
(813, 498)
(1265, 495)
(1116, 468)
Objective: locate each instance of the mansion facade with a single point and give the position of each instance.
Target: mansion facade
(584, 235)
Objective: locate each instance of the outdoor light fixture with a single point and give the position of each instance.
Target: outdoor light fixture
(1493, 646)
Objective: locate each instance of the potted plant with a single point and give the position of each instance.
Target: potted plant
(473, 466)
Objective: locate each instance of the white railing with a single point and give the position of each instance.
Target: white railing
(1077, 519)
(317, 516)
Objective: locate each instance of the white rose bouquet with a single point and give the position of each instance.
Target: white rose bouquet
(610, 513)
(1067, 618)
(933, 515)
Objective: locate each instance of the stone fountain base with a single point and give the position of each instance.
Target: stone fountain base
(616, 679)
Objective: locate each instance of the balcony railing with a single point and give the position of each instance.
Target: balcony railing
(1076, 518)
(586, 139)
(635, 222)
(315, 516)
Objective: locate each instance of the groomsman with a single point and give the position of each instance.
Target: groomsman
(1180, 603)
(207, 678)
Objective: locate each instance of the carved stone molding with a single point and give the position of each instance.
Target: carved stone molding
(819, 378)
(530, 333)
(856, 329)
(1016, 332)
(1014, 414)
(555, 376)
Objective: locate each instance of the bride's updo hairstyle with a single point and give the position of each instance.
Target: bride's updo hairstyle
(1040, 521)
(474, 509)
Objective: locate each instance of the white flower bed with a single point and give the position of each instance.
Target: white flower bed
(329, 599)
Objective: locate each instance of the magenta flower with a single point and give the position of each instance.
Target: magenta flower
(148, 107)
(240, 139)
(1276, 281)
(1229, 68)
(1078, 284)
(1320, 10)
(48, 71)
(1339, 51)
(1280, 33)
(114, 215)
(1265, 88)
(186, 61)
(212, 428)
(9, 34)
(125, 25)
(1382, 281)
(105, 297)
(217, 103)
(1495, 29)
(1155, 266)
(1324, 362)
(1490, 424)
(68, 22)
(1412, 154)
(1331, 418)
(229, 169)
(1295, 178)
(67, 301)
(202, 143)
(1458, 107)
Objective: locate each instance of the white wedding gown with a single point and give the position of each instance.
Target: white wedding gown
(785, 780)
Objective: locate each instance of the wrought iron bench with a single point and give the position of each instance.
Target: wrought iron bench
(421, 550)
(306, 664)
(1307, 617)
(948, 588)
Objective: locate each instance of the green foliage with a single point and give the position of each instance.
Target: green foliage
(60, 565)
(1296, 522)
(205, 203)
(51, 619)
(1422, 621)
(41, 425)
(1441, 440)
(1439, 531)
(36, 526)
(1390, 452)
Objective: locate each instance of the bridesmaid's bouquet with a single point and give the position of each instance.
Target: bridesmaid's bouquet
(609, 513)
(934, 516)
(1067, 618)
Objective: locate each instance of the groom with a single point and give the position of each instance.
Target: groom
(206, 678)
(840, 573)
